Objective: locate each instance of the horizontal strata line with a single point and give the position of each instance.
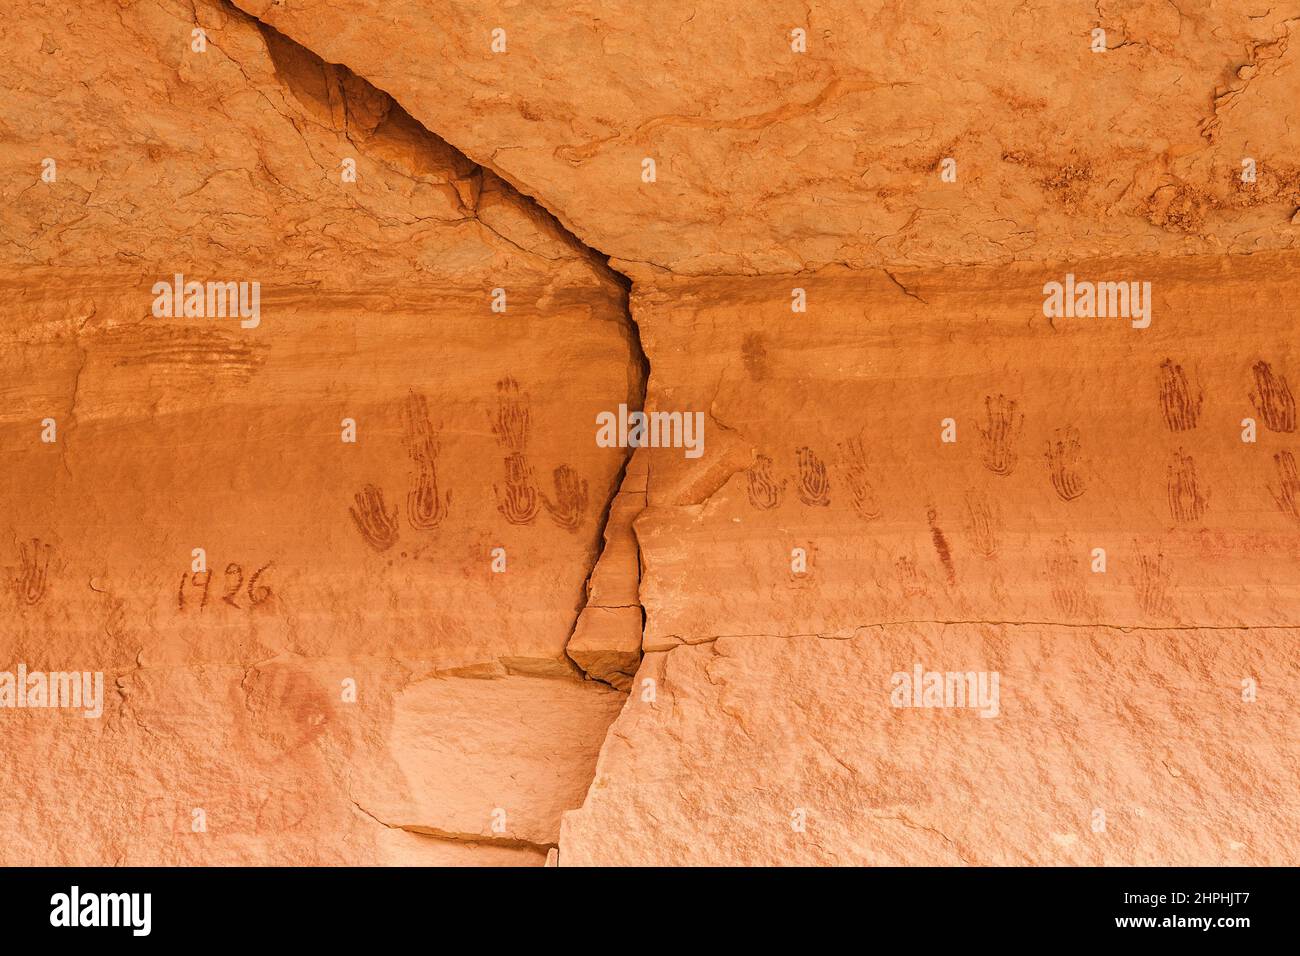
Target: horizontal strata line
(448, 836)
(1109, 627)
(419, 673)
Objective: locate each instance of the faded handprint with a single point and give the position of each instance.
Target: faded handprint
(513, 416)
(1179, 406)
(1152, 583)
(1063, 464)
(909, 579)
(1288, 494)
(1272, 399)
(1001, 433)
(376, 524)
(982, 522)
(865, 502)
(571, 498)
(518, 503)
(1186, 502)
(34, 565)
(421, 440)
(1068, 594)
(814, 484)
(764, 492)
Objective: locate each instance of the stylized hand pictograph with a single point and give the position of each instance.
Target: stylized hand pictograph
(376, 524)
(909, 579)
(865, 502)
(1000, 434)
(1067, 586)
(425, 507)
(982, 521)
(33, 572)
(1288, 494)
(513, 416)
(1272, 399)
(1186, 502)
(764, 492)
(571, 498)
(1152, 584)
(518, 503)
(421, 440)
(1063, 463)
(1179, 406)
(814, 484)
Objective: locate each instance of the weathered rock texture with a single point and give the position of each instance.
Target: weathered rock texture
(1121, 691)
(327, 561)
(905, 462)
(772, 161)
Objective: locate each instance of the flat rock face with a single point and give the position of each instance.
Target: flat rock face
(770, 750)
(924, 474)
(937, 449)
(908, 566)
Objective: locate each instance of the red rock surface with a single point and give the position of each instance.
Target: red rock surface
(369, 562)
(478, 635)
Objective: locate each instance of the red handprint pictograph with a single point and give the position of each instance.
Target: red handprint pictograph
(378, 526)
(1000, 434)
(764, 492)
(570, 498)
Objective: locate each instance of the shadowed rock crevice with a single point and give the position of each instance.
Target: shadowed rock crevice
(606, 637)
(347, 637)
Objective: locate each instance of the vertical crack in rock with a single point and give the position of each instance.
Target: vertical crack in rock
(605, 639)
(346, 93)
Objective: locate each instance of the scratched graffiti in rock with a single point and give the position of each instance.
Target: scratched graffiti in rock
(814, 485)
(518, 501)
(1000, 433)
(1272, 399)
(570, 498)
(378, 525)
(1180, 406)
(856, 474)
(1187, 500)
(200, 581)
(1063, 463)
(236, 584)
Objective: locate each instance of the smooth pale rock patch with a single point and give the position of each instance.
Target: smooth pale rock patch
(515, 752)
(749, 736)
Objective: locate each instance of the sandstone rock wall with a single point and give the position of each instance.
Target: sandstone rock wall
(437, 563)
(475, 635)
